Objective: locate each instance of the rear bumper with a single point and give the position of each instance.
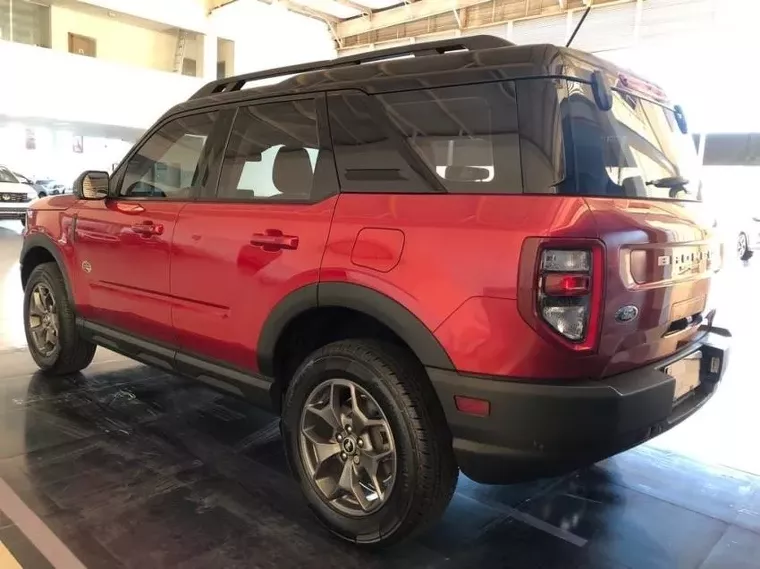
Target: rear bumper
(539, 429)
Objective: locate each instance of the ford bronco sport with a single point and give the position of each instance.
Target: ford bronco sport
(479, 257)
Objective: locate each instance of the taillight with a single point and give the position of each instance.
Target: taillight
(560, 291)
(564, 291)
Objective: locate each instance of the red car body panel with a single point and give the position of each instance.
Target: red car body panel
(202, 286)
(224, 287)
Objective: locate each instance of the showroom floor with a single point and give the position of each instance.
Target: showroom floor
(126, 466)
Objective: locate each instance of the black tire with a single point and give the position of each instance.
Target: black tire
(426, 472)
(742, 245)
(41, 195)
(72, 353)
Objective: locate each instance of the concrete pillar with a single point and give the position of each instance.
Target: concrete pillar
(210, 57)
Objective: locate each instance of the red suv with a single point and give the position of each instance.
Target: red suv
(484, 257)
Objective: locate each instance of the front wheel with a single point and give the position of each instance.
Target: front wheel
(368, 442)
(50, 324)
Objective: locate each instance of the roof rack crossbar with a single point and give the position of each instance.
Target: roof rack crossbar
(471, 43)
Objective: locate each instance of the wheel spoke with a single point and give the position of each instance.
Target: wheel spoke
(35, 322)
(349, 483)
(38, 303)
(370, 462)
(359, 420)
(323, 449)
(330, 412)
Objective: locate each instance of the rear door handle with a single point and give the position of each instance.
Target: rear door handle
(148, 228)
(274, 240)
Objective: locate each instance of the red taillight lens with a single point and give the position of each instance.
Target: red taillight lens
(567, 285)
(565, 290)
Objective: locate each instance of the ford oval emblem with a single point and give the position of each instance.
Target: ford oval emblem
(626, 313)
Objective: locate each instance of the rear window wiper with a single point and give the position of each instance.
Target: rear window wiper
(669, 182)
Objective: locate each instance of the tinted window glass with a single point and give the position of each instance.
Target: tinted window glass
(273, 153)
(167, 165)
(636, 150)
(7, 176)
(368, 159)
(467, 136)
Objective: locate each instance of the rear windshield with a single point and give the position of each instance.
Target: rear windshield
(635, 150)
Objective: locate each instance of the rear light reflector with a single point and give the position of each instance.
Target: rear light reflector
(472, 406)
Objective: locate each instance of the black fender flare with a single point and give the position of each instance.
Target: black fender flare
(40, 240)
(363, 299)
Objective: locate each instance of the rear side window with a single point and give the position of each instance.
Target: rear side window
(466, 135)
(274, 153)
(369, 154)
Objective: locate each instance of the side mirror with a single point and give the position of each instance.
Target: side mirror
(601, 90)
(91, 185)
(683, 126)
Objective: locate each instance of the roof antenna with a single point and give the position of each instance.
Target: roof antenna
(578, 27)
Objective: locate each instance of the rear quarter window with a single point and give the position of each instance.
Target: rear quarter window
(466, 135)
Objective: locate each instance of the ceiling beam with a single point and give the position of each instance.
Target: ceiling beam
(509, 10)
(355, 6)
(407, 13)
(289, 5)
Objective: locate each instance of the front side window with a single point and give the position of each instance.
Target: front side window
(273, 153)
(167, 165)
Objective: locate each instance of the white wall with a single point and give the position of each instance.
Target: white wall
(185, 14)
(116, 40)
(84, 89)
(269, 36)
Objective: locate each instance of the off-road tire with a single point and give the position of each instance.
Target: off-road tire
(426, 472)
(73, 352)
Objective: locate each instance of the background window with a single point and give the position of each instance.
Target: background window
(466, 135)
(273, 153)
(167, 165)
(27, 22)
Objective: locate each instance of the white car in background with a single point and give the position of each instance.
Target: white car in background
(15, 196)
(748, 239)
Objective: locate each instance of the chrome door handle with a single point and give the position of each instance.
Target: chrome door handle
(148, 228)
(274, 240)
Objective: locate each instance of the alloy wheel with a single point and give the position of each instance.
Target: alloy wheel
(43, 319)
(347, 447)
(741, 246)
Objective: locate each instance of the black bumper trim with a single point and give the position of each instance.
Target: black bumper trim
(539, 429)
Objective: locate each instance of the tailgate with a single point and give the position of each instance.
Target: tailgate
(661, 256)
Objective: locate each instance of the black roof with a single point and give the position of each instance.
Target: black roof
(422, 65)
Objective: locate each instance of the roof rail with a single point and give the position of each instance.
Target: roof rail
(471, 43)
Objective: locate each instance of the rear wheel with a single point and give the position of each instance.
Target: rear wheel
(50, 324)
(372, 454)
(742, 247)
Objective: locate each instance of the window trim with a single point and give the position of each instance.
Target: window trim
(323, 139)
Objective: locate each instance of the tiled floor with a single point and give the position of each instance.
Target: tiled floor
(131, 467)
